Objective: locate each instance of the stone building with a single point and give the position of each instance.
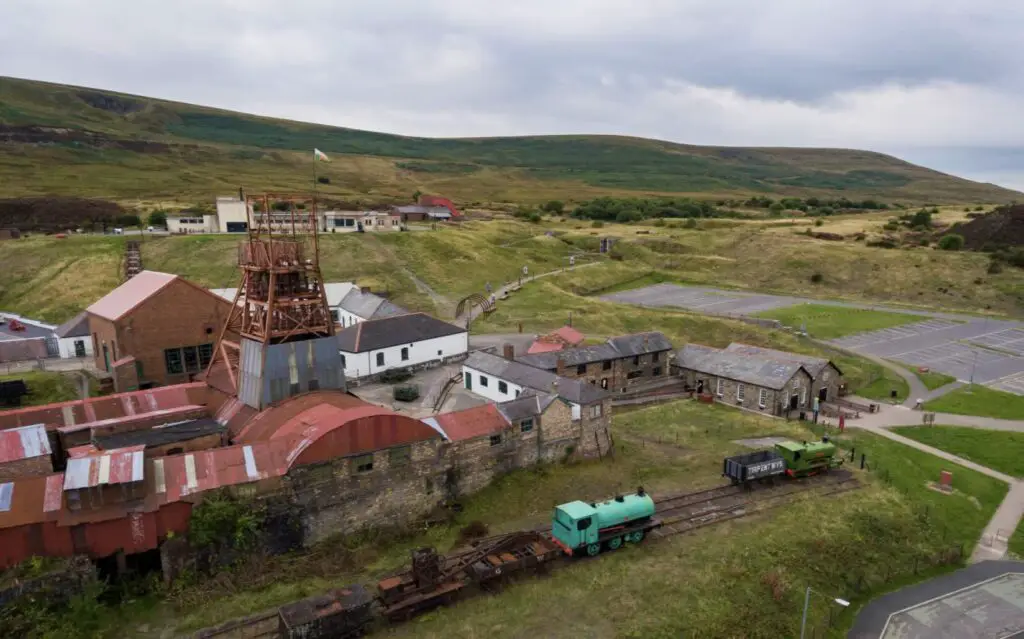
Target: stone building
(617, 365)
(827, 379)
(773, 386)
(502, 379)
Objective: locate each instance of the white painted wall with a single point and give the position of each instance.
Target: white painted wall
(191, 223)
(230, 209)
(67, 346)
(491, 391)
(365, 364)
(346, 318)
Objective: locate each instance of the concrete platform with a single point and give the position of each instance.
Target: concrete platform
(984, 601)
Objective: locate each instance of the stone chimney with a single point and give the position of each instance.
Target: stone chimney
(509, 351)
(646, 342)
(559, 367)
(364, 289)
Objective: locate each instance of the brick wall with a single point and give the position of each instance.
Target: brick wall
(126, 377)
(38, 466)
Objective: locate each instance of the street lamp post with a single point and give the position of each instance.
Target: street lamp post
(807, 600)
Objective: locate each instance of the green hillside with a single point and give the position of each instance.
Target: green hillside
(67, 140)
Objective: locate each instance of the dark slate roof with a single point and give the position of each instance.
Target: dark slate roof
(614, 348)
(77, 326)
(375, 334)
(814, 365)
(529, 404)
(369, 306)
(180, 432)
(749, 369)
(572, 390)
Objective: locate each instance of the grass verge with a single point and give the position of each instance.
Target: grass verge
(979, 400)
(46, 387)
(933, 380)
(830, 322)
(996, 449)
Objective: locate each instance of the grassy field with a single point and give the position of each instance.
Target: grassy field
(933, 380)
(46, 387)
(997, 449)
(194, 151)
(744, 578)
(979, 400)
(1016, 545)
(831, 322)
(881, 386)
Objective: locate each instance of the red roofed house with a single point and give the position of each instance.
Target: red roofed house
(565, 337)
(165, 324)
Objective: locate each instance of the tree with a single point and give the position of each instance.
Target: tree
(416, 195)
(776, 208)
(129, 219)
(554, 206)
(951, 242)
(158, 218)
(921, 219)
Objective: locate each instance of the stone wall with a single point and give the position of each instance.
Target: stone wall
(776, 402)
(54, 587)
(617, 375)
(829, 379)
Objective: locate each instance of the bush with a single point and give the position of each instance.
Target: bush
(395, 376)
(597, 224)
(891, 226)
(817, 278)
(323, 180)
(922, 219)
(994, 267)
(818, 222)
(554, 206)
(979, 208)
(406, 393)
(951, 242)
(690, 224)
(158, 218)
(535, 218)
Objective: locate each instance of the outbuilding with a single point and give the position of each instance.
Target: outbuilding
(410, 341)
(73, 337)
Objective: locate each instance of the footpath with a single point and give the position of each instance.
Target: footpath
(994, 540)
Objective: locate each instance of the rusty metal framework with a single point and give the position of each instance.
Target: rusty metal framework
(281, 296)
(471, 300)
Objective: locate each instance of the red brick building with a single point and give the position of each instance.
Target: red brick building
(163, 325)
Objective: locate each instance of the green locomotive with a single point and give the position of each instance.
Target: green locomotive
(582, 528)
(794, 459)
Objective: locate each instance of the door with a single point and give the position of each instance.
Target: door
(106, 359)
(823, 394)
(79, 348)
(469, 382)
(794, 402)
(237, 227)
(700, 387)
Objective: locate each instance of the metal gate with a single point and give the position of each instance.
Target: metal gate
(52, 347)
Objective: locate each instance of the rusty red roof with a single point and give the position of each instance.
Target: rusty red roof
(125, 298)
(264, 424)
(178, 476)
(23, 442)
(570, 335)
(544, 347)
(472, 422)
(119, 466)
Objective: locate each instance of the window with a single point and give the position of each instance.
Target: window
(762, 397)
(205, 355)
(634, 374)
(363, 463)
(718, 387)
(517, 393)
(606, 365)
(400, 456)
(405, 353)
(439, 353)
(335, 316)
(583, 524)
(581, 369)
(468, 378)
(604, 383)
(495, 440)
(656, 371)
(343, 364)
(483, 381)
(191, 355)
(172, 360)
(380, 359)
(526, 425)
(655, 357)
(503, 388)
(803, 396)
(739, 392)
(595, 411)
(636, 361)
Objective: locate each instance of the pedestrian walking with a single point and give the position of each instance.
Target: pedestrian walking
(816, 408)
(842, 422)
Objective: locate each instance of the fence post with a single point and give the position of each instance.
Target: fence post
(853, 454)
(863, 459)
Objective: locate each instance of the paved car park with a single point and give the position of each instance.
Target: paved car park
(987, 351)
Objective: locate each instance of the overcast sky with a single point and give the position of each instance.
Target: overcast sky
(937, 82)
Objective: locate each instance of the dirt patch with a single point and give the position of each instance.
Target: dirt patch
(1002, 227)
(53, 214)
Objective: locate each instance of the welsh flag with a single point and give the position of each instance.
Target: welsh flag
(320, 155)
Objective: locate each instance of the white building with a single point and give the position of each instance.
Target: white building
(349, 303)
(500, 379)
(191, 222)
(402, 341)
(368, 221)
(73, 338)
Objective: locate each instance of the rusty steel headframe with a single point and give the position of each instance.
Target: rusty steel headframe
(281, 295)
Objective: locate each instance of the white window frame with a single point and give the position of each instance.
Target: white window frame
(740, 392)
(719, 387)
(595, 411)
(762, 397)
(803, 396)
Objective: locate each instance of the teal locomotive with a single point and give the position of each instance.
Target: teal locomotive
(581, 528)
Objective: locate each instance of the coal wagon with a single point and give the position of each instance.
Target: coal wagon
(761, 465)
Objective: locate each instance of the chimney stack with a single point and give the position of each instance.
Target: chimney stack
(646, 340)
(510, 351)
(559, 367)
(364, 289)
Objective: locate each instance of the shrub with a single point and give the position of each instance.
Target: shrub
(535, 218)
(323, 180)
(891, 226)
(994, 267)
(951, 242)
(658, 222)
(597, 224)
(979, 208)
(922, 219)
(924, 241)
(395, 376)
(691, 223)
(406, 393)
(818, 222)
(817, 278)
(554, 206)
(158, 218)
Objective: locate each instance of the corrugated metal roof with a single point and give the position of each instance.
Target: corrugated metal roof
(750, 369)
(23, 442)
(77, 326)
(540, 380)
(472, 422)
(119, 466)
(814, 365)
(432, 422)
(179, 476)
(126, 297)
(367, 305)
